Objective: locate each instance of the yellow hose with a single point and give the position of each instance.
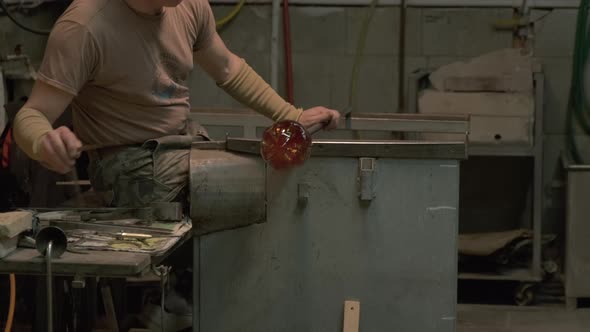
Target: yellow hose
(8, 327)
(234, 12)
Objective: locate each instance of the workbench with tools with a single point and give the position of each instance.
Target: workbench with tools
(86, 244)
(361, 236)
(337, 229)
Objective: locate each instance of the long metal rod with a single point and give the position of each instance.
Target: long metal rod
(428, 3)
(538, 176)
(162, 302)
(389, 149)
(402, 56)
(48, 254)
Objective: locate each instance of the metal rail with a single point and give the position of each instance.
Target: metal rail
(394, 122)
(376, 149)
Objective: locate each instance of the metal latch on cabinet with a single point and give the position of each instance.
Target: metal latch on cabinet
(366, 179)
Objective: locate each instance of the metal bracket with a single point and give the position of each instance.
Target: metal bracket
(367, 179)
(303, 192)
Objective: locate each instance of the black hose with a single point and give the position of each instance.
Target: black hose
(578, 103)
(20, 25)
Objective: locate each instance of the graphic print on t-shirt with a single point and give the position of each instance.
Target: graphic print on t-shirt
(169, 79)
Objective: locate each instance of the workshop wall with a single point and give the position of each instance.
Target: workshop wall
(324, 41)
(32, 45)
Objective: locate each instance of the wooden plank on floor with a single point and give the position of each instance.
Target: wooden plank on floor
(352, 312)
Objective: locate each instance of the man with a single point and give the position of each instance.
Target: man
(123, 66)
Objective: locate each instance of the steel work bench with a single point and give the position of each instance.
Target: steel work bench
(369, 220)
(84, 269)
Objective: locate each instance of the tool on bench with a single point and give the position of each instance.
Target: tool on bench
(51, 242)
(139, 236)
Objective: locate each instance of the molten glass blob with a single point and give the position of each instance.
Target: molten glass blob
(285, 144)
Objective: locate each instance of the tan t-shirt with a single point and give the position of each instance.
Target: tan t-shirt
(128, 71)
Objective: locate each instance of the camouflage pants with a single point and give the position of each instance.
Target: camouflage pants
(156, 171)
(135, 176)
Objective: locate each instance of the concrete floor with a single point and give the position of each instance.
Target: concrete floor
(482, 318)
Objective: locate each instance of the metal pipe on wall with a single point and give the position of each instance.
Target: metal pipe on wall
(402, 57)
(288, 54)
(274, 44)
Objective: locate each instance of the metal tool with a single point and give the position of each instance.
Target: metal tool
(141, 236)
(132, 236)
(49, 286)
(163, 272)
(50, 242)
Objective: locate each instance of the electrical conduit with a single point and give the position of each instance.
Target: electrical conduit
(360, 47)
(274, 45)
(12, 306)
(287, 41)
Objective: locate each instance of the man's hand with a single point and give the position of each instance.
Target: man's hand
(320, 114)
(59, 150)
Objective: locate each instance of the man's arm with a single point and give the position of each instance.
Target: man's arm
(70, 60)
(234, 75)
(57, 149)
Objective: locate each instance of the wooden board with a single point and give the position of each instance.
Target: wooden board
(352, 313)
(14, 223)
(95, 263)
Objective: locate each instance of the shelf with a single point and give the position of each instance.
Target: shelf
(511, 275)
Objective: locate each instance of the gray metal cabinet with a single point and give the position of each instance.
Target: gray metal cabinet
(396, 253)
(577, 251)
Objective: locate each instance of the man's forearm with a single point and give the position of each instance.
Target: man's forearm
(247, 87)
(29, 127)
